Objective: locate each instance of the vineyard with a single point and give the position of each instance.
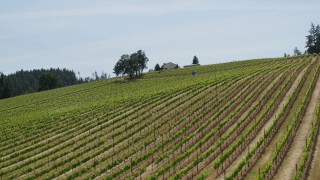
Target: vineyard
(253, 119)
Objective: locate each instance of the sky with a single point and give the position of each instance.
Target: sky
(88, 36)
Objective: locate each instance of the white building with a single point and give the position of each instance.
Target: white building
(170, 65)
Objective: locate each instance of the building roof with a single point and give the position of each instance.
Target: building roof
(169, 65)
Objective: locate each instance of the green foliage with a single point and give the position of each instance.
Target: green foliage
(23, 82)
(195, 60)
(131, 65)
(157, 67)
(49, 81)
(6, 88)
(111, 130)
(313, 40)
(266, 168)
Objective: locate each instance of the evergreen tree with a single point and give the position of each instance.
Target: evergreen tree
(49, 81)
(195, 60)
(96, 76)
(23, 82)
(1, 84)
(5, 87)
(157, 67)
(313, 39)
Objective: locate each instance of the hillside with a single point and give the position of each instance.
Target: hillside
(246, 119)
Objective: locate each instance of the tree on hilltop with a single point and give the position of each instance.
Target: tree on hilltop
(195, 60)
(131, 65)
(313, 39)
(120, 65)
(142, 61)
(157, 67)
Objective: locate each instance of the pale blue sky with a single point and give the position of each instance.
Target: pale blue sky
(91, 35)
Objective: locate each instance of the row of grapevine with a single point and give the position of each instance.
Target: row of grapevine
(256, 109)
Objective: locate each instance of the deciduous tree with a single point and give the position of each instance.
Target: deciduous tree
(131, 65)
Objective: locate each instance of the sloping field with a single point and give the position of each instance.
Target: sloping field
(255, 119)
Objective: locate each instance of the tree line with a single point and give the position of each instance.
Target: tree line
(23, 82)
